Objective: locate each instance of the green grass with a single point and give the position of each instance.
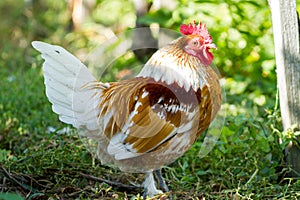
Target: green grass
(246, 163)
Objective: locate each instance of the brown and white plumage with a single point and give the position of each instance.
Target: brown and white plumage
(143, 123)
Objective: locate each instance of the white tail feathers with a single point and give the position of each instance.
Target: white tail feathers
(65, 78)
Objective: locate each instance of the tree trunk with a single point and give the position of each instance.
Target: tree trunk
(286, 39)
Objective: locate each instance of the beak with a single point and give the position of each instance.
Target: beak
(212, 46)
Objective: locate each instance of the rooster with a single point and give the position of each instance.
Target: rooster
(142, 123)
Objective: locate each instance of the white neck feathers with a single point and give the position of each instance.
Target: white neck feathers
(173, 65)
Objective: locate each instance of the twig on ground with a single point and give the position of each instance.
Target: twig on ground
(112, 183)
(13, 179)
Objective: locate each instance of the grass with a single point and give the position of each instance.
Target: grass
(38, 160)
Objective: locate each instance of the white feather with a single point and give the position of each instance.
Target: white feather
(117, 148)
(166, 71)
(65, 77)
(186, 127)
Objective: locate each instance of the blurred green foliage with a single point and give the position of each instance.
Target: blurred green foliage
(247, 162)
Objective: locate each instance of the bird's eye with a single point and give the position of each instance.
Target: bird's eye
(195, 43)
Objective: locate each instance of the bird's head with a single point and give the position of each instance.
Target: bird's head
(198, 42)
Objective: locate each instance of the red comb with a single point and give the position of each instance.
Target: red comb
(194, 29)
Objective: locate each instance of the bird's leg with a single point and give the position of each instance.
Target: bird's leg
(161, 180)
(150, 187)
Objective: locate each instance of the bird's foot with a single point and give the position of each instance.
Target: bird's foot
(150, 186)
(152, 193)
(161, 182)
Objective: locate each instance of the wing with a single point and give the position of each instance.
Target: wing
(65, 78)
(139, 115)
